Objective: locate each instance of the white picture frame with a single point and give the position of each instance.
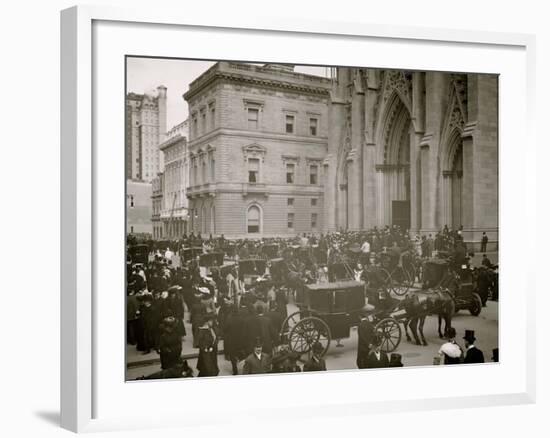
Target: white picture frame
(83, 200)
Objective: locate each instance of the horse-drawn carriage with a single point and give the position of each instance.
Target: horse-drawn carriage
(139, 254)
(191, 253)
(442, 274)
(327, 311)
(251, 269)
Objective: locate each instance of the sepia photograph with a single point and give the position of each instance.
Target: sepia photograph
(287, 218)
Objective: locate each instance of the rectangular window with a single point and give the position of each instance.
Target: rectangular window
(253, 170)
(289, 122)
(313, 174)
(314, 202)
(213, 117)
(253, 115)
(290, 202)
(203, 121)
(313, 126)
(290, 221)
(290, 173)
(313, 221)
(195, 127)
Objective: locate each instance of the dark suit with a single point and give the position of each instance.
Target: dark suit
(253, 365)
(261, 327)
(474, 355)
(374, 362)
(365, 337)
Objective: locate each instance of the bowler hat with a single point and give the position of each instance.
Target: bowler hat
(469, 336)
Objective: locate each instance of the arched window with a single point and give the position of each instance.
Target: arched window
(253, 219)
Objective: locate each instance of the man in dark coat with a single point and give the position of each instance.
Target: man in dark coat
(260, 327)
(365, 337)
(473, 354)
(235, 336)
(377, 358)
(258, 362)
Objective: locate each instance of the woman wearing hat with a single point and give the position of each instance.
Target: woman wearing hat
(207, 363)
(450, 351)
(169, 343)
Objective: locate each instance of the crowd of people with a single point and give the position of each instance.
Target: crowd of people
(162, 296)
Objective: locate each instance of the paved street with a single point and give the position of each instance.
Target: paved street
(343, 357)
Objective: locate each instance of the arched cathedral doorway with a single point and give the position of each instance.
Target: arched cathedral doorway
(395, 170)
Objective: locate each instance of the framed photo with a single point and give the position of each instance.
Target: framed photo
(340, 185)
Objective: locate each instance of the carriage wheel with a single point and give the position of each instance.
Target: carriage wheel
(475, 304)
(390, 332)
(289, 323)
(400, 281)
(307, 332)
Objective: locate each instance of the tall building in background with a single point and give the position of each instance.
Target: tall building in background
(145, 131)
(174, 181)
(257, 147)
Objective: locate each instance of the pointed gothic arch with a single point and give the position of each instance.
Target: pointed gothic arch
(394, 138)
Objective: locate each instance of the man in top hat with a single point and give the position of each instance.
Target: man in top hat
(377, 358)
(316, 361)
(258, 362)
(473, 354)
(395, 360)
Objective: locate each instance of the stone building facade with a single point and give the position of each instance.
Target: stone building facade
(173, 214)
(157, 190)
(257, 146)
(145, 131)
(417, 149)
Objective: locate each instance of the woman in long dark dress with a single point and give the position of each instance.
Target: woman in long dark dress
(207, 363)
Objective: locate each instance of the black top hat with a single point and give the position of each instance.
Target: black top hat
(469, 336)
(495, 355)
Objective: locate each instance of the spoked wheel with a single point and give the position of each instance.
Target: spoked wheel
(475, 305)
(390, 332)
(289, 323)
(307, 332)
(401, 281)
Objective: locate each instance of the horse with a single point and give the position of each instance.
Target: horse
(420, 304)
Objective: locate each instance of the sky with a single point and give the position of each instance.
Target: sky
(144, 75)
